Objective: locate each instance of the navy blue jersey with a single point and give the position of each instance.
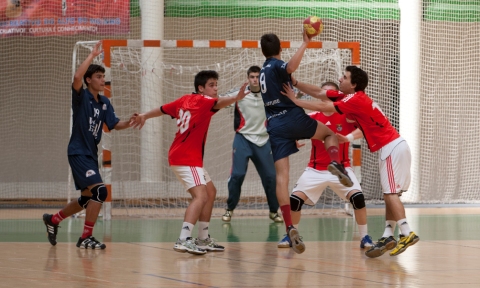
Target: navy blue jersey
(88, 118)
(278, 108)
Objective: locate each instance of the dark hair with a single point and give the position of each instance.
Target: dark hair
(270, 44)
(330, 83)
(358, 77)
(92, 69)
(202, 77)
(253, 69)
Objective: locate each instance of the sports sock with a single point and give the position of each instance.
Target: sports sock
(87, 229)
(389, 228)
(362, 229)
(203, 230)
(286, 215)
(404, 227)
(186, 232)
(57, 218)
(333, 153)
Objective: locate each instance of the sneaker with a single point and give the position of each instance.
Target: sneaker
(227, 216)
(90, 242)
(366, 242)
(404, 243)
(285, 242)
(52, 229)
(188, 245)
(209, 244)
(297, 244)
(275, 217)
(383, 244)
(339, 171)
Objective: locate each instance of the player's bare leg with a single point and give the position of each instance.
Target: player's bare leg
(185, 242)
(282, 168)
(91, 215)
(361, 219)
(323, 133)
(204, 241)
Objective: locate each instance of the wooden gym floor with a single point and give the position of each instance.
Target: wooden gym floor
(139, 253)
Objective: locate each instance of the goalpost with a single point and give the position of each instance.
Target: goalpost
(137, 175)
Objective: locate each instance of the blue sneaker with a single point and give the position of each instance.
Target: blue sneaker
(285, 242)
(366, 242)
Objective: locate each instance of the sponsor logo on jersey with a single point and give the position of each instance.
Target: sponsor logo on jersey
(90, 173)
(328, 123)
(104, 107)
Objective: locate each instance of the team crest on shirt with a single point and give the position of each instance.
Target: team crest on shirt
(90, 173)
(339, 127)
(104, 107)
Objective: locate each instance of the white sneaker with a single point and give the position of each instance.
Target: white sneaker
(188, 245)
(209, 244)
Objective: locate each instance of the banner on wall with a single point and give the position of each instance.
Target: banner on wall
(63, 17)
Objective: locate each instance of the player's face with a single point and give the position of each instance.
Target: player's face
(345, 85)
(210, 88)
(97, 82)
(253, 80)
(328, 87)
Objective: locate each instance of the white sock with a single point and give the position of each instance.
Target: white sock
(363, 230)
(404, 227)
(296, 225)
(186, 231)
(203, 230)
(389, 228)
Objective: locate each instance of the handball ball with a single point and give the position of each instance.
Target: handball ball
(313, 26)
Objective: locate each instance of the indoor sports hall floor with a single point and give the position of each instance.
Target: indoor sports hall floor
(139, 253)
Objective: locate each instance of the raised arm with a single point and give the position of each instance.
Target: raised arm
(138, 120)
(324, 106)
(226, 101)
(78, 77)
(294, 62)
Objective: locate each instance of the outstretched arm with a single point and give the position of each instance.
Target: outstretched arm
(356, 134)
(78, 77)
(138, 120)
(125, 124)
(294, 62)
(310, 89)
(225, 101)
(324, 106)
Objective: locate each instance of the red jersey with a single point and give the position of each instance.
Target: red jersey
(376, 128)
(193, 113)
(319, 158)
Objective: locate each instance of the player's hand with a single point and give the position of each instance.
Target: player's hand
(306, 38)
(288, 91)
(242, 93)
(96, 49)
(299, 144)
(137, 121)
(341, 138)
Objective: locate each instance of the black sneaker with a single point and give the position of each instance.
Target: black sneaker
(339, 171)
(52, 229)
(381, 247)
(90, 243)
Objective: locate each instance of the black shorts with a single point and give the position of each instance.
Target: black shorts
(84, 171)
(283, 137)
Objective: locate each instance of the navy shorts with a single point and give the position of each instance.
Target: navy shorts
(84, 171)
(283, 137)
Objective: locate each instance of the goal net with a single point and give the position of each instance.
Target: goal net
(143, 77)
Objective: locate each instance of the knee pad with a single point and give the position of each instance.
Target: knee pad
(357, 200)
(83, 201)
(296, 203)
(99, 193)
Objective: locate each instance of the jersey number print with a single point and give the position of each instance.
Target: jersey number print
(183, 120)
